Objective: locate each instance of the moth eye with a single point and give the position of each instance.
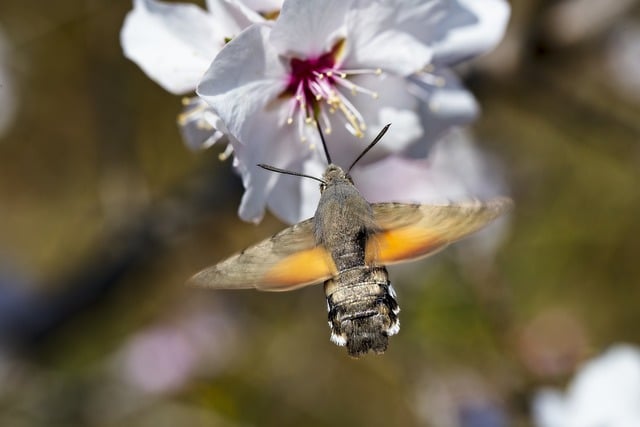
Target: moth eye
(323, 187)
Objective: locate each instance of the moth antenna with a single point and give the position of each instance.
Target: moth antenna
(286, 172)
(324, 143)
(370, 146)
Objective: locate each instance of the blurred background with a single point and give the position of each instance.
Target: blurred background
(104, 214)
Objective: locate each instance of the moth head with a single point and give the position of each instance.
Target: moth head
(333, 175)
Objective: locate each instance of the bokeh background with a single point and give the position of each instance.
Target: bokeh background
(104, 213)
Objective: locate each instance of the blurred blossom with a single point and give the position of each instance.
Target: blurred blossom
(443, 104)
(200, 126)
(164, 358)
(623, 60)
(174, 44)
(572, 21)
(7, 87)
(353, 66)
(605, 392)
(160, 360)
(461, 399)
(551, 344)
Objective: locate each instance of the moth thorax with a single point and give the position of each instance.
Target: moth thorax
(363, 311)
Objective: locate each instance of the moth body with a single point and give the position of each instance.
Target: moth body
(363, 312)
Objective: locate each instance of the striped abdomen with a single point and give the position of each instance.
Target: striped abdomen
(363, 312)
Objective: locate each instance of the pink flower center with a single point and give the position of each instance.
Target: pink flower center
(305, 74)
(315, 87)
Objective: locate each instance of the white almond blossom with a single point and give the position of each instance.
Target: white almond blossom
(352, 66)
(604, 393)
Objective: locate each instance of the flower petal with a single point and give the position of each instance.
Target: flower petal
(471, 27)
(172, 43)
(263, 6)
(244, 77)
(307, 29)
(281, 192)
(441, 107)
(393, 36)
(293, 198)
(232, 16)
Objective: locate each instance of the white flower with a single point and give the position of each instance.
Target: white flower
(174, 44)
(273, 81)
(345, 64)
(605, 393)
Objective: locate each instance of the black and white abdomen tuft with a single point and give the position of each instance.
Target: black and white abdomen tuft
(363, 311)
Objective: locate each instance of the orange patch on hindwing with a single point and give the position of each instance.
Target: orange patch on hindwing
(402, 244)
(299, 269)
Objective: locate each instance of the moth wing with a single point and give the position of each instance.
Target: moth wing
(288, 260)
(410, 232)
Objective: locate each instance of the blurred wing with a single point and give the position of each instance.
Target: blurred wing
(414, 231)
(285, 261)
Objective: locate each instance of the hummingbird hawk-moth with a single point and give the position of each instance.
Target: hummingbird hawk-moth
(347, 245)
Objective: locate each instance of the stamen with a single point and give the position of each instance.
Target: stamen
(203, 124)
(326, 123)
(296, 102)
(354, 88)
(226, 153)
(354, 117)
(322, 88)
(351, 121)
(433, 79)
(301, 133)
(355, 71)
(195, 107)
